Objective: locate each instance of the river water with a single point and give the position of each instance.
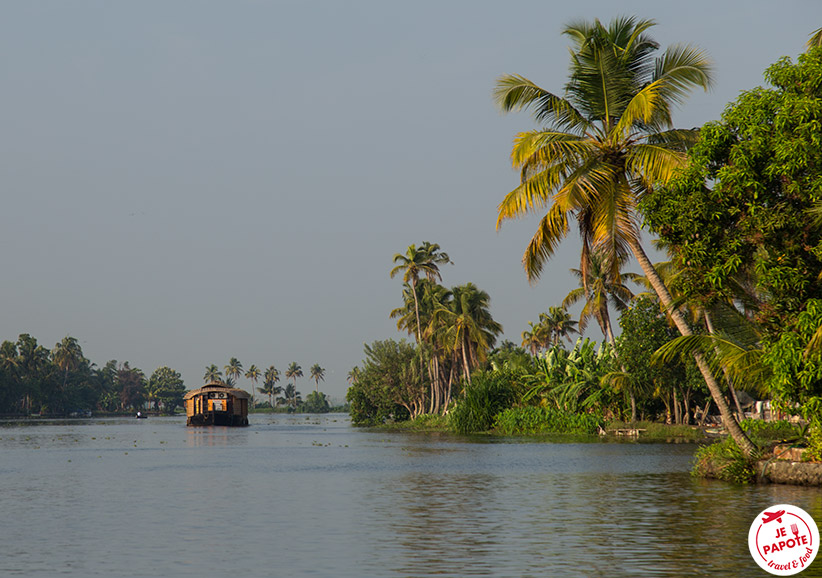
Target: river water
(295, 496)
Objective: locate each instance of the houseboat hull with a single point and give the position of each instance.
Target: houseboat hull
(217, 418)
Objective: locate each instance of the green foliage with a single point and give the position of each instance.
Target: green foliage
(751, 181)
(166, 387)
(388, 380)
(533, 420)
(763, 433)
(315, 402)
(571, 381)
(489, 393)
(724, 460)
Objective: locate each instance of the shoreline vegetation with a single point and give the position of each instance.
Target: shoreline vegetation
(725, 335)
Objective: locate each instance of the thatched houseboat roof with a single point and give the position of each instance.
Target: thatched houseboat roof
(218, 386)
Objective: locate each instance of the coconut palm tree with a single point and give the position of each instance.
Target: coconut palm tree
(293, 372)
(317, 374)
(234, 369)
(423, 261)
(253, 374)
(597, 289)
(68, 356)
(557, 324)
(609, 140)
(471, 330)
(270, 379)
(212, 373)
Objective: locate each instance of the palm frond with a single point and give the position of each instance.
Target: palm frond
(553, 227)
(514, 93)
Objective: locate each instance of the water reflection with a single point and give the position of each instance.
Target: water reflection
(295, 497)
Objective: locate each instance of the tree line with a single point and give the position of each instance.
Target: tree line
(735, 204)
(62, 381)
(278, 396)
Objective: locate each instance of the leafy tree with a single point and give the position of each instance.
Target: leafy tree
(388, 384)
(132, 385)
(316, 402)
(610, 140)
(167, 388)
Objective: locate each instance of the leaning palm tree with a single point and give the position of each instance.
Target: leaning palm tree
(608, 141)
(317, 374)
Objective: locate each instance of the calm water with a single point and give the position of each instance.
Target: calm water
(299, 496)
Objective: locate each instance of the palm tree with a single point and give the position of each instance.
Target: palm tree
(425, 261)
(597, 288)
(609, 141)
(234, 369)
(68, 356)
(535, 338)
(317, 374)
(212, 373)
(556, 324)
(471, 330)
(253, 374)
(293, 372)
(270, 379)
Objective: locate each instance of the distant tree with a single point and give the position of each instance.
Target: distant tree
(293, 372)
(132, 385)
(316, 402)
(212, 374)
(253, 374)
(270, 387)
(234, 369)
(317, 374)
(167, 388)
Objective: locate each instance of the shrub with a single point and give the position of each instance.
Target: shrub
(489, 393)
(724, 460)
(532, 420)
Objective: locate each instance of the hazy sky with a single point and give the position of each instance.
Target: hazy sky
(184, 182)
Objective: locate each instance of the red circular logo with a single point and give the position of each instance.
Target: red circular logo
(783, 540)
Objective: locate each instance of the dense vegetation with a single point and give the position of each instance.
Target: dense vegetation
(62, 381)
(734, 315)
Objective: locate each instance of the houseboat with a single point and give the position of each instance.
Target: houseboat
(217, 404)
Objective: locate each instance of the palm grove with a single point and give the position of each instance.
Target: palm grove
(735, 204)
(62, 381)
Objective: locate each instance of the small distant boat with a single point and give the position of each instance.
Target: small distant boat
(141, 416)
(217, 404)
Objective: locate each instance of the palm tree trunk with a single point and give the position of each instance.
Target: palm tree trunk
(728, 420)
(740, 415)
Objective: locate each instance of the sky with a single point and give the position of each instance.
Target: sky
(188, 181)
